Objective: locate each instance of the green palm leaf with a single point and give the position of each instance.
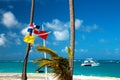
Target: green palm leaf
(47, 50)
(69, 52)
(59, 65)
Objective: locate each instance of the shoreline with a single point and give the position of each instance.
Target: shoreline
(42, 76)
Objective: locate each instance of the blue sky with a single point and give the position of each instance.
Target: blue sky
(97, 24)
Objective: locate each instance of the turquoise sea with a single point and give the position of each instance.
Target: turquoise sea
(110, 68)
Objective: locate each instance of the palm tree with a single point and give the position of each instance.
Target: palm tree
(24, 75)
(72, 34)
(58, 65)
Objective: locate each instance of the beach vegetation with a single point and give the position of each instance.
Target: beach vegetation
(58, 65)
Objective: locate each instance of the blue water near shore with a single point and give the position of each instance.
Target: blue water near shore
(109, 68)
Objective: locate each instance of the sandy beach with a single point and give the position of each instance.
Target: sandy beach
(38, 76)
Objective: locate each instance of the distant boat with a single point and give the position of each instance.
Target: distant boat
(89, 62)
(39, 71)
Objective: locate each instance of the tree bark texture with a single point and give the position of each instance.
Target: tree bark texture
(24, 71)
(72, 34)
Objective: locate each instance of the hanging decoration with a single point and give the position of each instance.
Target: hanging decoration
(35, 29)
(30, 28)
(42, 34)
(29, 39)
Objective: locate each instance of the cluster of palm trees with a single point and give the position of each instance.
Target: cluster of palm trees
(62, 67)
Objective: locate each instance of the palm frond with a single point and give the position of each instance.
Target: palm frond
(59, 65)
(40, 60)
(47, 50)
(45, 63)
(69, 52)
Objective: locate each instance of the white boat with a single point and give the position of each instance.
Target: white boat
(89, 62)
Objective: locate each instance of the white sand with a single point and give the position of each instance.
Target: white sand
(38, 76)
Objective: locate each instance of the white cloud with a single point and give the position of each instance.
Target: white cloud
(13, 35)
(9, 20)
(89, 28)
(24, 31)
(59, 25)
(60, 29)
(2, 39)
(61, 35)
(18, 41)
(56, 25)
(78, 23)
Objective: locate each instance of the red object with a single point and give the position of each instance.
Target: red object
(36, 31)
(31, 25)
(43, 34)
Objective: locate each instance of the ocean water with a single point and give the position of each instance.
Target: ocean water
(106, 68)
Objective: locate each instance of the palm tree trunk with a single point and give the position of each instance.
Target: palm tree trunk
(72, 35)
(24, 75)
